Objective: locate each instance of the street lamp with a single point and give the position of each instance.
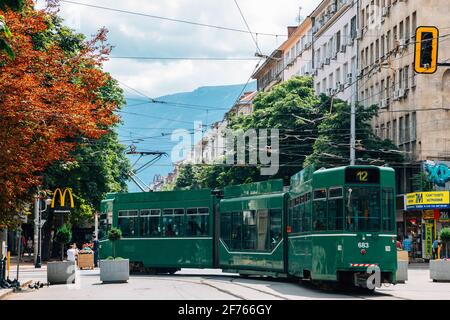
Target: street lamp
(40, 222)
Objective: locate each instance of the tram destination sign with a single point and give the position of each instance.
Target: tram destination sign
(362, 175)
(428, 200)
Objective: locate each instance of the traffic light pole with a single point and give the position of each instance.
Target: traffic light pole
(37, 221)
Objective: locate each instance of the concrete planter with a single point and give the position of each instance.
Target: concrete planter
(61, 272)
(402, 271)
(114, 270)
(440, 270)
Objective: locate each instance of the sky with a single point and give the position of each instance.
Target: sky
(133, 35)
(142, 36)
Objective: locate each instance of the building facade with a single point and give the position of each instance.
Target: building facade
(297, 50)
(335, 48)
(411, 106)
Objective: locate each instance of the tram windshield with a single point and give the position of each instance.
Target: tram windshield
(363, 210)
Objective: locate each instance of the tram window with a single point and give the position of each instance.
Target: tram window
(296, 219)
(249, 230)
(150, 222)
(387, 200)
(236, 231)
(320, 194)
(335, 193)
(306, 223)
(128, 222)
(197, 222)
(335, 209)
(301, 213)
(104, 226)
(363, 209)
(335, 214)
(225, 228)
(320, 215)
(173, 225)
(275, 227)
(262, 229)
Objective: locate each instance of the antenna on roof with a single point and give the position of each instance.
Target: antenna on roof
(299, 17)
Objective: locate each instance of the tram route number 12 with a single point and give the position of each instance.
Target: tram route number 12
(363, 176)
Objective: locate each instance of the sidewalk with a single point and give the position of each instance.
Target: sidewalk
(27, 274)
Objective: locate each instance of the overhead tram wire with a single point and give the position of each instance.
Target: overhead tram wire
(187, 58)
(193, 22)
(170, 19)
(248, 27)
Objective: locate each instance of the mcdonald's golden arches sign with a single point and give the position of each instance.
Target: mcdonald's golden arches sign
(62, 197)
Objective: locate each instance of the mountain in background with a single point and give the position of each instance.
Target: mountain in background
(148, 126)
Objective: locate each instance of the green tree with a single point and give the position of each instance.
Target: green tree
(332, 147)
(97, 166)
(420, 182)
(5, 33)
(63, 236)
(445, 238)
(114, 235)
(293, 108)
(186, 178)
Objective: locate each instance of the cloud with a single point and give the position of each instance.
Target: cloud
(134, 35)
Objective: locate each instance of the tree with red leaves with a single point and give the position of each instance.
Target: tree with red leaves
(50, 100)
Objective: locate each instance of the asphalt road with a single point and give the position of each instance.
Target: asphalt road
(206, 284)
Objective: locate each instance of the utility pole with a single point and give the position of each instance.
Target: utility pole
(36, 228)
(354, 100)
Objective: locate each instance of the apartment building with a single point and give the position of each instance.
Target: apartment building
(270, 72)
(411, 105)
(297, 50)
(293, 57)
(335, 48)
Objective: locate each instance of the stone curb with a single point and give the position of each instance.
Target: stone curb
(9, 291)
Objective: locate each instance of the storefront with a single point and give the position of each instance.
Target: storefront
(426, 213)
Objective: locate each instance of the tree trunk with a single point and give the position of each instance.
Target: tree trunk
(114, 249)
(62, 251)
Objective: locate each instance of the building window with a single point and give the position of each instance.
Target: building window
(413, 126)
(407, 30)
(407, 129)
(394, 132)
(401, 131)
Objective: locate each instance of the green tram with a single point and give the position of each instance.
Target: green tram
(330, 225)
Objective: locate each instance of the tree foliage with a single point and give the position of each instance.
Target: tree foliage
(312, 129)
(63, 234)
(114, 235)
(332, 147)
(52, 98)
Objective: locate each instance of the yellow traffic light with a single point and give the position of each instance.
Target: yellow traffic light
(426, 50)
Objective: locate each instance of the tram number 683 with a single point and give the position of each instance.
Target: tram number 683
(363, 245)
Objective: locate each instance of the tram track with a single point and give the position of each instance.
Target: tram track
(219, 283)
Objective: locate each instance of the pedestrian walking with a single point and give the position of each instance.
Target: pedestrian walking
(435, 248)
(399, 244)
(95, 246)
(72, 253)
(407, 245)
(29, 246)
